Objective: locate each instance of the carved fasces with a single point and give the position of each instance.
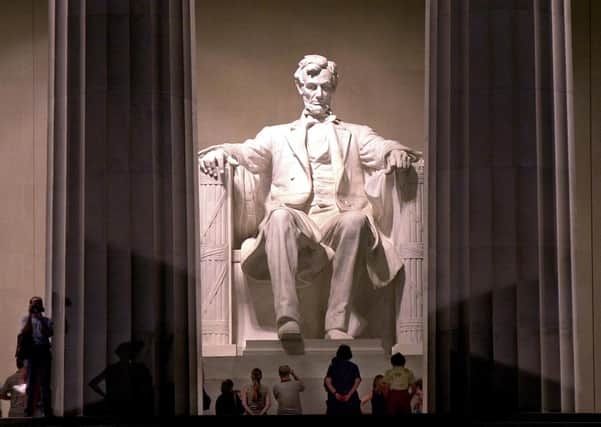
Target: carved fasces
(410, 312)
(215, 225)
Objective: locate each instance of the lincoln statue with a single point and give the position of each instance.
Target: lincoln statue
(318, 209)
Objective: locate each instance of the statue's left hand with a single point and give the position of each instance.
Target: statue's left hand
(397, 159)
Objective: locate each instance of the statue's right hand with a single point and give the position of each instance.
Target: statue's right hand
(212, 163)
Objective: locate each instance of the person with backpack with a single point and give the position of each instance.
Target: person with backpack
(35, 349)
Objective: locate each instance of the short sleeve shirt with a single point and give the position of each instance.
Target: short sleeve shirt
(399, 378)
(258, 402)
(287, 394)
(343, 374)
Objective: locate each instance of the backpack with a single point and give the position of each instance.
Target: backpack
(24, 346)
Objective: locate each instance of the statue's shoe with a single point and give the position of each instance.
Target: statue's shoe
(337, 334)
(357, 324)
(289, 331)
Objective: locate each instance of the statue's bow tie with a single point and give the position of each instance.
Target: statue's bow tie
(309, 120)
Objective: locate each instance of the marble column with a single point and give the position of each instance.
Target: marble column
(586, 174)
(122, 225)
(499, 240)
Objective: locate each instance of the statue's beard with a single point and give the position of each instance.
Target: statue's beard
(317, 110)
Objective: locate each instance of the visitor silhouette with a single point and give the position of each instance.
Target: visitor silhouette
(128, 383)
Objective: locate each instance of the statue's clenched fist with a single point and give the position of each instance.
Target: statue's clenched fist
(213, 162)
(398, 159)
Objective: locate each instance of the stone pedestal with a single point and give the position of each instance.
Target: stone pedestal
(309, 359)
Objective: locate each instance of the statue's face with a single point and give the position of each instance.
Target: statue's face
(317, 92)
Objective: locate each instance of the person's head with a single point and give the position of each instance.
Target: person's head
(128, 350)
(227, 386)
(256, 375)
(378, 381)
(20, 364)
(344, 352)
(36, 305)
(124, 351)
(419, 384)
(397, 359)
(284, 371)
(316, 79)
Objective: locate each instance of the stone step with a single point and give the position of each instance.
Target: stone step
(311, 346)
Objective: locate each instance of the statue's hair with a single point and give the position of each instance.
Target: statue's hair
(312, 65)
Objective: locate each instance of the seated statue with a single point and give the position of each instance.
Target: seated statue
(330, 202)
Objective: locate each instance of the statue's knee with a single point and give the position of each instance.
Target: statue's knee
(280, 218)
(354, 220)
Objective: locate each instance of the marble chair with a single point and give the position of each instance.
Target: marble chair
(235, 309)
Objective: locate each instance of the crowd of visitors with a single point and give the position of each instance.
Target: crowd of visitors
(128, 384)
(395, 392)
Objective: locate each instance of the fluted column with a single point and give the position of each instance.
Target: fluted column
(122, 174)
(499, 254)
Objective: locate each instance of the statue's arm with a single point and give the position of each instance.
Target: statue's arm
(375, 150)
(253, 154)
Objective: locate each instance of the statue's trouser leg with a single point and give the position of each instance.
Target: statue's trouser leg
(281, 246)
(350, 237)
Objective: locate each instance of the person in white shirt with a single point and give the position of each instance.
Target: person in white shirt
(287, 392)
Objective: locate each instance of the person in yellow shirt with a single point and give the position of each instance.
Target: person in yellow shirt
(398, 384)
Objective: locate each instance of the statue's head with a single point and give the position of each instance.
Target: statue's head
(316, 79)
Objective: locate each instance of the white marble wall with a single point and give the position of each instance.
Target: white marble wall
(23, 148)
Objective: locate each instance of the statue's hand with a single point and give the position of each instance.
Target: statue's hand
(398, 159)
(212, 163)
